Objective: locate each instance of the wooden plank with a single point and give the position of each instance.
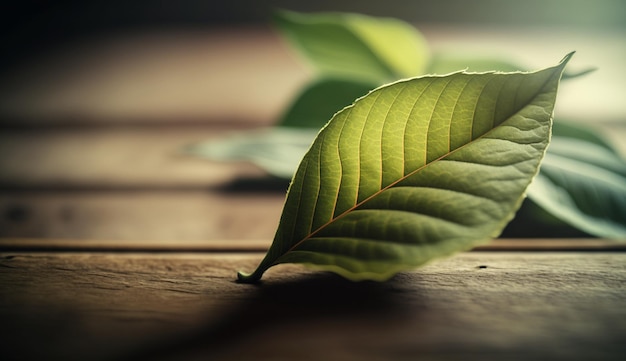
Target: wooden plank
(261, 245)
(143, 215)
(116, 157)
(142, 77)
(553, 244)
(477, 305)
(90, 245)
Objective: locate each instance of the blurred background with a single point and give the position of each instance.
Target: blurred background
(97, 98)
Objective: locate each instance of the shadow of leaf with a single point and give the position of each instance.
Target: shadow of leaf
(316, 304)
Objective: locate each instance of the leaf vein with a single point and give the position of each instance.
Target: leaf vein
(382, 133)
(430, 118)
(359, 149)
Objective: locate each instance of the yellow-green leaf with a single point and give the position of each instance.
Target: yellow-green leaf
(415, 170)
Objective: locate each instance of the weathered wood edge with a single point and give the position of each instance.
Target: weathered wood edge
(218, 246)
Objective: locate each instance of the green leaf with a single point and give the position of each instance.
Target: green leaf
(277, 150)
(356, 46)
(321, 100)
(415, 170)
(583, 183)
(581, 132)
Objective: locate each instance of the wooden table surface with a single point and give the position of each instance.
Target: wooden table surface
(73, 304)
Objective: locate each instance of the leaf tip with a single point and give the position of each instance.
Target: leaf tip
(565, 60)
(567, 57)
(560, 67)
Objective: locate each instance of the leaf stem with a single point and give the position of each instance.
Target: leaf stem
(253, 277)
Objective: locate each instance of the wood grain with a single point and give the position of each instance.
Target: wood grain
(141, 214)
(114, 157)
(149, 76)
(262, 245)
(186, 306)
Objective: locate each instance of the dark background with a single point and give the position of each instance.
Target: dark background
(33, 26)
